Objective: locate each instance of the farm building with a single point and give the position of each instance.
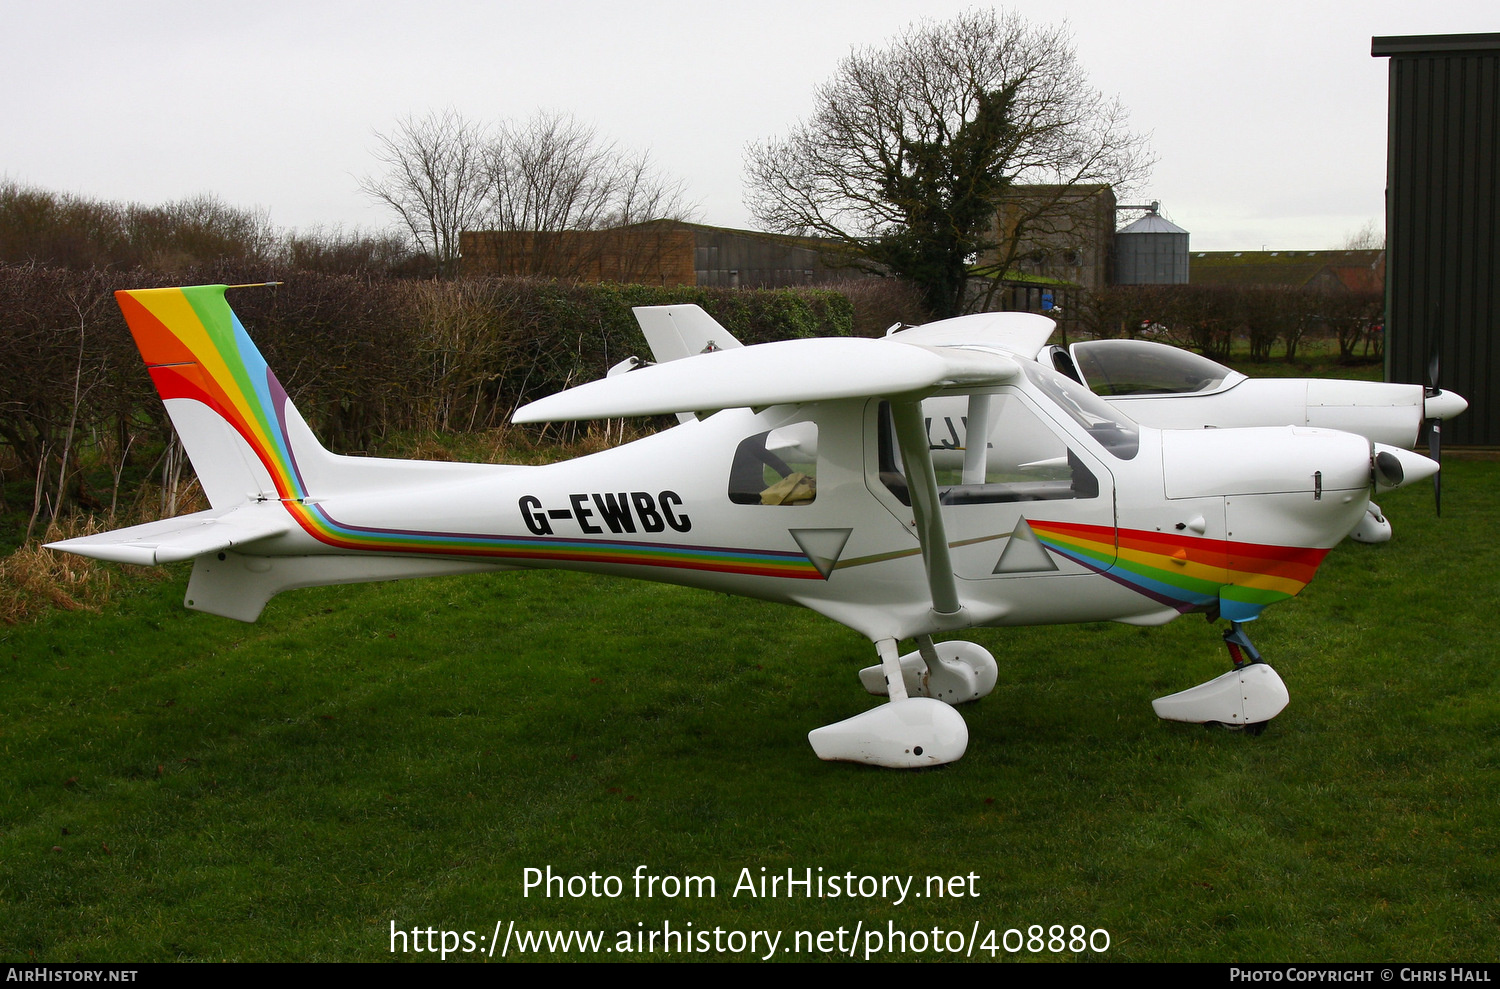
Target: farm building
(1333, 272)
(661, 252)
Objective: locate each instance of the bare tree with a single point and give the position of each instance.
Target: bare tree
(911, 149)
(551, 173)
(1370, 237)
(556, 188)
(435, 181)
(179, 235)
(336, 251)
(75, 232)
(1354, 317)
(535, 195)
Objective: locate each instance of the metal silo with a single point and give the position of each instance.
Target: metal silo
(1151, 251)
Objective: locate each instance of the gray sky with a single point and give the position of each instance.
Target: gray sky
(1267, 118)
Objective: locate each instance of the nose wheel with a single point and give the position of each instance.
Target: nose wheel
(1243, 699)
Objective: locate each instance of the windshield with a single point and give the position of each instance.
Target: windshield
(1110, 427)
(1140, 367)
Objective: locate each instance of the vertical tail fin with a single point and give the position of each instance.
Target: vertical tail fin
(245, 438)
(675, 332)
(681, 331)
(262, 471)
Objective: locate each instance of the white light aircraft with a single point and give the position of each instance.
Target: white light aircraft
(1170, 388)
(803, 472)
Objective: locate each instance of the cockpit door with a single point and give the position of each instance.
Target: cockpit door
(1020, 496)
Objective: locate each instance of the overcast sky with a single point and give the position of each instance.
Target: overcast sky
(1267, 118)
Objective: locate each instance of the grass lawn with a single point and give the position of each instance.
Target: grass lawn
(180, 786)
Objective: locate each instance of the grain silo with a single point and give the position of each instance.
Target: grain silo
(1151, 251)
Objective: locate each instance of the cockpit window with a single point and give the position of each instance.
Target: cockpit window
(1111, 428)
(1140, 367)
(1022, 459)
(777, 467)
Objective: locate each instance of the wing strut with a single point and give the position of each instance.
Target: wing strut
(921, 479)
(977, 440)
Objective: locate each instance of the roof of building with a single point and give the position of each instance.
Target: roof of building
(1151, 223)
(1357, 271)
(1434, 44)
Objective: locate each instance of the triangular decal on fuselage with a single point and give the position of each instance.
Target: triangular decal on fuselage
(822, 546)
(1024, 553)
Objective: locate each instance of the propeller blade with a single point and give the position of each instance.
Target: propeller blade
(1435, 424)
(1435, 451)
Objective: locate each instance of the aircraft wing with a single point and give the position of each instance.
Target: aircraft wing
(1021, 333)
(184, 537)
(786, 372)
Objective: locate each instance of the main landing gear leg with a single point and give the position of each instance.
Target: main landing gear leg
(908, 732)
(1245, 698)
(952, 672)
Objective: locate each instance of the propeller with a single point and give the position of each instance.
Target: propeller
(1438, 405)
(1435, 425)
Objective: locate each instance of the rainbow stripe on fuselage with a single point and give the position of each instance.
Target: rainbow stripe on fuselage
(1186, 572)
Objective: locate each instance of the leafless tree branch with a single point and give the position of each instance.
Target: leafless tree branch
(435, 180)
(910, 149)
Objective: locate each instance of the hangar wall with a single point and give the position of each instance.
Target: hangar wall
(1443, 221)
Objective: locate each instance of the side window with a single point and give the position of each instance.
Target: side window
(1023, 458)
(777, 467)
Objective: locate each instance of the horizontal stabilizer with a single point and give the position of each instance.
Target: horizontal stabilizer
(183, 538)
(785, 372)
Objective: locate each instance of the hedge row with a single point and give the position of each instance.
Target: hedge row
(361, 359)
(1210, 318)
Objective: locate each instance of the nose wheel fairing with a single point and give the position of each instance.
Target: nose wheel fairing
(1246, 697)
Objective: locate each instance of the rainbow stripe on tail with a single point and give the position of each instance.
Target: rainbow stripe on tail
(245, 438)
(260, 467)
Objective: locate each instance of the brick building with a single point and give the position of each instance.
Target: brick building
(661, 252)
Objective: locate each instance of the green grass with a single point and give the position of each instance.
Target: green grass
(180, 786)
